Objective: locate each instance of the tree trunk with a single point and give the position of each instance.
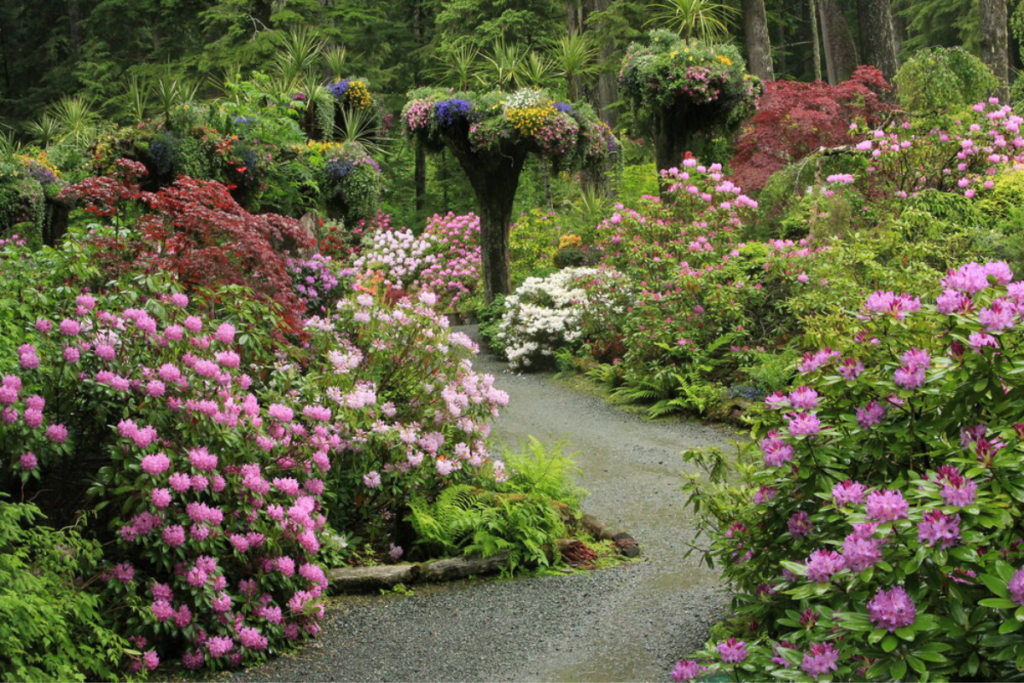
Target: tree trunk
(878, 37)
(494, 178)
(673, 137)
(75, 26)
(759, 47)
(815, 41)
(420, 180)
(604, 92)
(840, 50)
(992, 16)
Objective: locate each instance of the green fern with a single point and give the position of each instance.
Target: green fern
(477, 522)
(545, 471)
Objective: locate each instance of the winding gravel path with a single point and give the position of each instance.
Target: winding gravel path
(628, 623)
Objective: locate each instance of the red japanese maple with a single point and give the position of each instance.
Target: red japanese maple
(794, 119)
(196, 230)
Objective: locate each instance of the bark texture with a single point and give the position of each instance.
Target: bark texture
(603, 92)
(673, 135)
(494, 178)
(878, 36)
(992, 15)
(840, 50)
(759, 47)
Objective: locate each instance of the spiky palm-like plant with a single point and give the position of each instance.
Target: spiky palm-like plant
(694, 19)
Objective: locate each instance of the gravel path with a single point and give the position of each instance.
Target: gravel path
(628, 623)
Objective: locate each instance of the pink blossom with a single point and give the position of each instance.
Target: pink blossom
(887, 505)
(28, 461)
(225, 333)
(155, 464)
(174, 535)
(160, 498)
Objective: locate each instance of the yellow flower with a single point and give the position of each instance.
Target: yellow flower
(725, 60)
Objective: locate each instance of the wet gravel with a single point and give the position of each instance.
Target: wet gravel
(628, 623)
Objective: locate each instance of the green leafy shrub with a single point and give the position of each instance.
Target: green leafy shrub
(52, 627)
(942, 81)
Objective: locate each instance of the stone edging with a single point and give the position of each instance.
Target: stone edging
(368, 579)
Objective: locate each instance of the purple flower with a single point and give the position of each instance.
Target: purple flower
(851, 369)
(219, 646)
(979, 340)
(917, 358)
(848, 492)
(778, 659)
(812, 362)
(28, 461)
(733, 651)
(804, 397)
(998, 317)
(338, 89)
(892, 609)
(959, 491)
(803, 424)
(70, 328)
(776, 451)
(1016, 587)
(822, 565)
(450, 112)
(687, 670)
(887, 505)
(952, 301)
(890, 303)
(970, 278)
(371, 480)
(909, 377)
(936, 526)
(821, 659)
(860, 551)
(800, 525)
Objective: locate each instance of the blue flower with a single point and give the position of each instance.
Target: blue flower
(338, 168)
(450, 112)
(338, 89)
(563, 107)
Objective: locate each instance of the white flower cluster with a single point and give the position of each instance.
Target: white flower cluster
(400, 256)
(526, 97)
(544, 314)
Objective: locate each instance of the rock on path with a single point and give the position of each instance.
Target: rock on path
(628, 623)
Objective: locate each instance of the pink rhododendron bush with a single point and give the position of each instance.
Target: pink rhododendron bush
(217, 453)
(444, 260)
(872, 529)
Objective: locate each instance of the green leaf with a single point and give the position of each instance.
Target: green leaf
(996, 584)
(997, 603)
(906, 633)
(929, 656)
(1011, 626)
(897, 669)
(916, 664)
(889, 643)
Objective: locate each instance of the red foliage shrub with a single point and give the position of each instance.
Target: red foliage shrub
(794, 119)
(196, 230)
